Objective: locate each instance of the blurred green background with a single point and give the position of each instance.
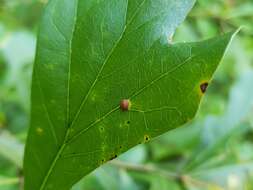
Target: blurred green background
(215, 151)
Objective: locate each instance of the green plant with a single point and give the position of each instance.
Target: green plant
(101, 53)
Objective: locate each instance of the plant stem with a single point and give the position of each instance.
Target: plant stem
(146, 169)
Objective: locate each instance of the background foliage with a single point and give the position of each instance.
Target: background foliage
(215, 151)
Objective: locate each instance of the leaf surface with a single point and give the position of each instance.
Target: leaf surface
(91, 54)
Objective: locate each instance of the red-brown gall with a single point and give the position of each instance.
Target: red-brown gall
(124, 105)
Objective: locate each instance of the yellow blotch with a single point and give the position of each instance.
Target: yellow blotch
(39, 131)
(94, 96)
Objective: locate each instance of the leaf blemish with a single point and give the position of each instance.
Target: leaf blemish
(146, 138)
(39, 131)
(102, 161)
(203, 87)
(125, 105)
(113, 157)
(101, 129)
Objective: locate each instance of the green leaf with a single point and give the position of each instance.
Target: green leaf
(91, 55)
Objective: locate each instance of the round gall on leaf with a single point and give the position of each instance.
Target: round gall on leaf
(124, 105)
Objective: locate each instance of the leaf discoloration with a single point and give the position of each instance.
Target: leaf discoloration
(203, 87)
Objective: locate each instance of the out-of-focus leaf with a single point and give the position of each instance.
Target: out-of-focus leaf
(21, 13)
(107, 178)
(90, 182)
(18, 51)
(227, 176)
(241, 100)
(2, 34)
(22, 45)
(185, 28)
(3, 68)
(196, 184)
(2, 119)
(206, 28)
(218, 129)
(243, 10)
(164, 184)
(11, 148)
(7, 183)
(127, 182)
(170, 145)
(240, 105)
(137, 154)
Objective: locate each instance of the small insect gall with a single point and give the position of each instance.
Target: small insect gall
(124, 105)
(203, 87)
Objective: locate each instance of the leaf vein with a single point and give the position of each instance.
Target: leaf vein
(134, 95)
(105, 62)
(47, 112)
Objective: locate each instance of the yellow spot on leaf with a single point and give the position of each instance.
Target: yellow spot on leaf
(39, 131)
